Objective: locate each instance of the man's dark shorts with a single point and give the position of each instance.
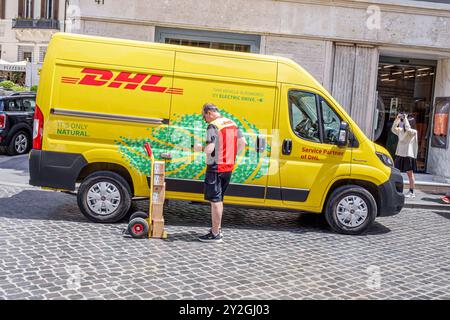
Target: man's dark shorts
(216, 183)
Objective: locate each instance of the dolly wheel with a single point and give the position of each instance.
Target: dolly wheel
(138, 228)
(139, 214)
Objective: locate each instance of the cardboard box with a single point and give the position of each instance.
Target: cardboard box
(158, 180)
(157, 211)
(158, 196)
(158, 229)
(159, 167)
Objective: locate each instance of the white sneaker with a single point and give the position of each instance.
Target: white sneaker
(410, 195)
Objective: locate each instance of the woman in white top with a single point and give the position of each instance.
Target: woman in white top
(407, 148)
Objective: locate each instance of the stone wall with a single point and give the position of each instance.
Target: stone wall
(313, 55)
(402, 23)
(118, 30)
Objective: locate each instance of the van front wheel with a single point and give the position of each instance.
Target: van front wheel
(104, 196)
(350, 210)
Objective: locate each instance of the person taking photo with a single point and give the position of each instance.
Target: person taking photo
(407, 148)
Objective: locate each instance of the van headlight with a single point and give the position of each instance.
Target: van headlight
(387, 160)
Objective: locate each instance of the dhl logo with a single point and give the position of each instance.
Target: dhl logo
(126, 80)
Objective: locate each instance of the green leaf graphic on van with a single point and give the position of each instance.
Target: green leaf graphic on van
(178, 138)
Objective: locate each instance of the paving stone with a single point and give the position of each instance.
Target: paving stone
(48, 250)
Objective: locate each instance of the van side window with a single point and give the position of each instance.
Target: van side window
(303, 115)
(331, 123)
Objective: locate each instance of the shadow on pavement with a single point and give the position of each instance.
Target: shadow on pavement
(435, 200)
(241, 218)
(19, 163)
(443, 214)
(41, 205)
(44, 205)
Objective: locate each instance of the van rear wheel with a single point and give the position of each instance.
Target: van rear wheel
(104, 196)
(350, 210)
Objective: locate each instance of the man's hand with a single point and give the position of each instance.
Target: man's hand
(241, 144)
(198, 147)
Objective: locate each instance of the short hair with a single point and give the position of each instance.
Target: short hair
(209, 107)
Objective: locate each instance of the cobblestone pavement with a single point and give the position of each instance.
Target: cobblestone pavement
(48, 250)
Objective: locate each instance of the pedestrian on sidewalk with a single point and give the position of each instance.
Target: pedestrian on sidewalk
(224, 140)
(446, 198)
(407, 148)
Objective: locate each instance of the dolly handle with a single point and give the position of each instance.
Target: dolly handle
(148, 148)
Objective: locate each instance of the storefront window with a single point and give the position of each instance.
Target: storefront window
(406, 88)
(210, 44)
(209, 39)
(440, 127)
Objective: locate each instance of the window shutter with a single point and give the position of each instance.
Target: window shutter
(2, 9)
(32, 9)
(21, 13)
(43, 5)
(55, 9)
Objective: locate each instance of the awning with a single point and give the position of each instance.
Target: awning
(13, 66)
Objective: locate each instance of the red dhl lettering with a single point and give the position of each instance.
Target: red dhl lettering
(123, 80)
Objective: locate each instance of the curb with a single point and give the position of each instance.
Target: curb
(437, 206)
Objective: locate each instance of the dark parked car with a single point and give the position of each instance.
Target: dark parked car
(16, 121)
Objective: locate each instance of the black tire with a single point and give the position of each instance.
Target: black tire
(120, 184)
(139, 214)
(331, 210)
(138, 228)
(14, 150)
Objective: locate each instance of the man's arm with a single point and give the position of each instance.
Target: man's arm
(395, 130)
(209, 148)
(211, 135)
(241, 142)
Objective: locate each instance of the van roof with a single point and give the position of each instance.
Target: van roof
(292, 72)
(165, 46)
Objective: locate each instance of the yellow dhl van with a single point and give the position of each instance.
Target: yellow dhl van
(100, 100)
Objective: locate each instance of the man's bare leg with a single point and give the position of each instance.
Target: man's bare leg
(216, 216)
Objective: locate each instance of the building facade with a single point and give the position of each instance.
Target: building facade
(26, 27)
(376, 57)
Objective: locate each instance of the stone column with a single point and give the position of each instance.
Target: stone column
(354, 82)
(439, 159)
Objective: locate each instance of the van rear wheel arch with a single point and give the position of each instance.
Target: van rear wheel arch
(106, 166)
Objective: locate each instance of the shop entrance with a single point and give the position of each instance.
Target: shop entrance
(405, 85)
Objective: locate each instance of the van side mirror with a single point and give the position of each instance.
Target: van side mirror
(343, 134)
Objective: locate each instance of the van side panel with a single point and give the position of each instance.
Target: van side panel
(229, 67)
(245, 92)
(106, 111)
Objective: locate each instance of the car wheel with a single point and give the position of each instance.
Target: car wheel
(350, 210)
(19, 144)
(104, 196)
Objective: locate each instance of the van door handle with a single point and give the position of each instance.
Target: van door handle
(287, 146)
